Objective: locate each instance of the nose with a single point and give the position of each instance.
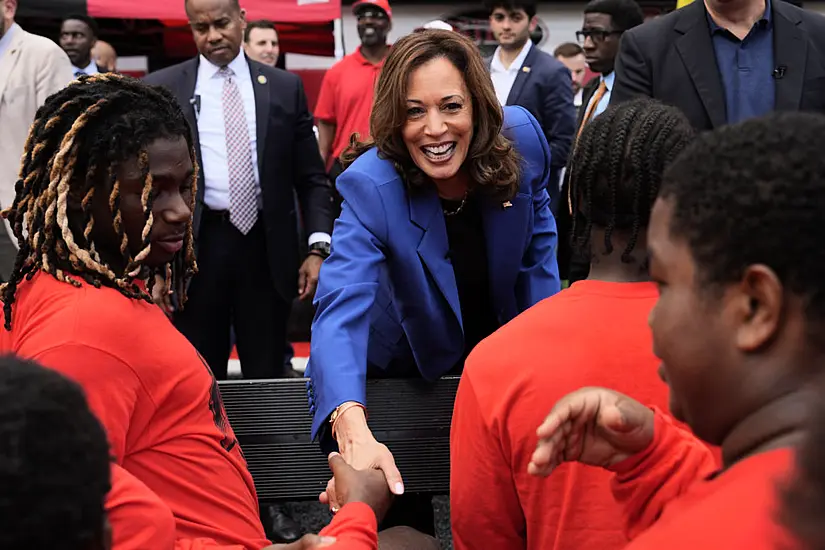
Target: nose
(435, 125)
(176, 210)
(213, 35)
(588, 43)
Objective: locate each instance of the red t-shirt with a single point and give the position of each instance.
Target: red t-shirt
(346, 98)
(155, 396)
(675, 498)
(593, 334)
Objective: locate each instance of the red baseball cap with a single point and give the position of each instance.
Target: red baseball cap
(383, 4)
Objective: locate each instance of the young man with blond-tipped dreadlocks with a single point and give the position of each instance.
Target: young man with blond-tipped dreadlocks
(103, 203)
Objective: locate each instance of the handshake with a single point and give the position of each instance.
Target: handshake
(368, 486)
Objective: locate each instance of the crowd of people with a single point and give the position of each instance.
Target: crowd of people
(668, 398)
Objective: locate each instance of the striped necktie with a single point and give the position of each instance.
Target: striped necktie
(243, 191)
(591, 107)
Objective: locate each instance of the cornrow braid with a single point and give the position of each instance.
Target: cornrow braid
(79, 138)
(616, 169)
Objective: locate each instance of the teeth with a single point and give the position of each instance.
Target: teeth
(440, 150)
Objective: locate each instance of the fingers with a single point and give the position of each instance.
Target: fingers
(337, 464)
(332, 496)
(302, 283)
(387, 465)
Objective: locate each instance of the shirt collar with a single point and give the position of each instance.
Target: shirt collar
(497, 66)
(89, 69)
(364, 61)
(608, 80)
(764, 21)
(5, 42)
(239, 66)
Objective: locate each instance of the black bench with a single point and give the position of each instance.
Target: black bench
(272, 422)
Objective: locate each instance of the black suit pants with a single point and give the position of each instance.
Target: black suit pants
(234, 288)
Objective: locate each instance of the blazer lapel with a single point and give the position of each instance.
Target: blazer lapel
(587, 94)
(521, 77)
(505, 230)
(261, 86)
(9, 60)
(188, 103)
(695, 47)
(433, 249)
(790, 51)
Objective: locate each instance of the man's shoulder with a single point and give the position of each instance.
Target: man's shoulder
(654, 30)
(546, 62)
(171, 73)
(35, 45)
(813, 21)
(274, 74)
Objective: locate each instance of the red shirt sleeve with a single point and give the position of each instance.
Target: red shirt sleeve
(325, 106)
(139, 519)
(647, 482)
(355, 528)
(481, 481)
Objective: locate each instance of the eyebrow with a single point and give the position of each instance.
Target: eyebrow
(445, 98)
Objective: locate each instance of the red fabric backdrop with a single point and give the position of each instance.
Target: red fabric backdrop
(287, 11)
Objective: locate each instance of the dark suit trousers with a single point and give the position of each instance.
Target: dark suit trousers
(234, 288)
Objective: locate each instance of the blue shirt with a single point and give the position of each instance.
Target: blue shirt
(746, 67)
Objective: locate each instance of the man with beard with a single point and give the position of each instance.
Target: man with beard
(345, 100)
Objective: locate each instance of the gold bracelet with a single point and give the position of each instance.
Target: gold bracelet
(340, 410)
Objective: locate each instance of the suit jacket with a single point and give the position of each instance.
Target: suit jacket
(544, 87)
(672, 59)
(388, 290)
(573, 266)
(288, 159)
(32, 69)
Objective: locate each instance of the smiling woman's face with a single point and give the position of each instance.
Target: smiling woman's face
(439, 127)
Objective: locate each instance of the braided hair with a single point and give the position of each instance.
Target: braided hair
(617, 166)
(77, 141)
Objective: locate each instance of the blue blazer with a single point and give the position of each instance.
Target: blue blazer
(388, 289)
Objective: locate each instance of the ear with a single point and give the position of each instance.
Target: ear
(243, 19)
(760, 305)
(534, 22)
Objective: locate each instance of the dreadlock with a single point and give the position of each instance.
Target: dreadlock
(75, 145)
(616, 169)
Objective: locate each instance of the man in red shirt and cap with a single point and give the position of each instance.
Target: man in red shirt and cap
(345, 100)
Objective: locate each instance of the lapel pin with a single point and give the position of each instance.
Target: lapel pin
(525, 69)
(261, 79)
(506, 204)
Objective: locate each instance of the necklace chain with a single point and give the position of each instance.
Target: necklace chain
(457, 210)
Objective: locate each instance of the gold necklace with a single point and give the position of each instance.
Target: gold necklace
(460, 206)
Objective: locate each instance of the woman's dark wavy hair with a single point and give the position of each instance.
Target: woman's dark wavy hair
(492, 162)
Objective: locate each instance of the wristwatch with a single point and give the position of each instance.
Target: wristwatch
(320, 248)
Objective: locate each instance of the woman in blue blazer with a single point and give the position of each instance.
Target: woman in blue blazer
(445, 235)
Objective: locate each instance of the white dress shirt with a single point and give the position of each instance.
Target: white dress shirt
(504, 78)
(605, 100)
(89, 70)
(212, 131)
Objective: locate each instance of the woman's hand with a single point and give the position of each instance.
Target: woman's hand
(593, 426)
(360, 450)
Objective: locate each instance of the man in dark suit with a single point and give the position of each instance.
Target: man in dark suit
(526, 76)
(723, 61)
(255, 144)
(605, 21)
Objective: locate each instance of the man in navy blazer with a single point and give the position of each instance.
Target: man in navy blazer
(524, 75)
(387, 295)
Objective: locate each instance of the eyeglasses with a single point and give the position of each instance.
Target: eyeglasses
(596, 35)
